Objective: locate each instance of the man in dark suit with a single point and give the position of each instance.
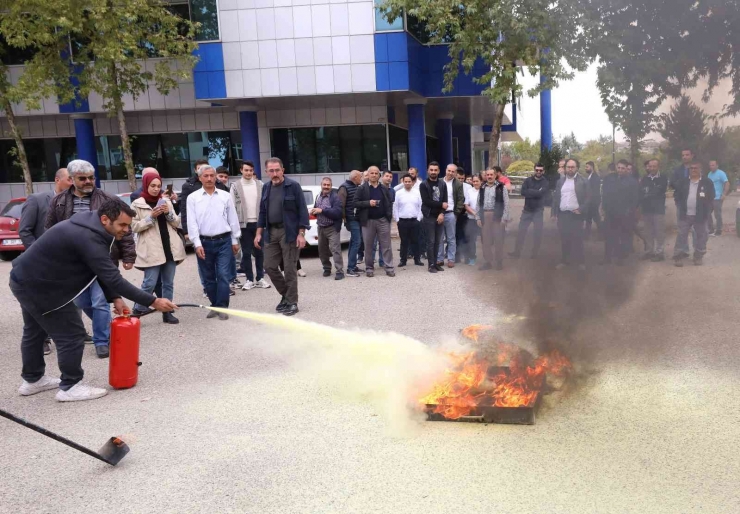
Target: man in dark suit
(34, 211)
(695, 201)
(594, 187)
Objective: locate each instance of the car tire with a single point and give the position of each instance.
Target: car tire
(8, 256)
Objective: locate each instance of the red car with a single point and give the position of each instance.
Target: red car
(10, 217)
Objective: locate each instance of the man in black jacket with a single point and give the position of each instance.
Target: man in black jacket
(594, 187)
(653, 188)
(374, 208)
(50, 275)
(433, 207)
(536, 193)
(621, 198)
(695, 201)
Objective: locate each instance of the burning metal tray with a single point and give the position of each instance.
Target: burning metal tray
(485, 414)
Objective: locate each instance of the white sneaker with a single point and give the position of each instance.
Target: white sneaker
(80, 392)
(249, 285)
(301, 273)
(45, 383)
(263, 284)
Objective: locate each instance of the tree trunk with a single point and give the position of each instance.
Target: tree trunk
(498, 119)
(128, 157)
(634, 151)
(21, 148)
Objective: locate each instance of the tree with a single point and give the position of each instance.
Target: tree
(520, 168)
(570, 145)
(524, 150)
(538, 35)
(641, 48)
(44, 72)
(683, 127)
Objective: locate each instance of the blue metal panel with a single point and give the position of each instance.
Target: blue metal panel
(208, 74)
(391, 114)
(381, 47)
(200, 81)
(86, 149)
(398, 46)
(216, 84)
(399, 76)
(417, 139)
(444, 135)
(250, 140)
(545, 118)
(382, 77)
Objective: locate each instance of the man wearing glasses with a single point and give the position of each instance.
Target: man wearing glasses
(83, 196)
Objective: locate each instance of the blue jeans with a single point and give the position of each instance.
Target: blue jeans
(449, 234)
(248, 250)
(217, 271)
(165, 272)
(93, 302)
(354, 243)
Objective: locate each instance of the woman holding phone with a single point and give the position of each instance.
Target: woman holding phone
(159, 248)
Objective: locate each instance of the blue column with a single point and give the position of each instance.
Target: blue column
(250, 137)
(86, 147)
(545, 118)
(444, 134)
(417, 135)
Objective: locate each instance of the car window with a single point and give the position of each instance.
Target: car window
(13, 209)
(126, 199)
(308, 195)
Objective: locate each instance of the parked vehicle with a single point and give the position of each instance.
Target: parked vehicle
(312, 235)
(10, 242)
(126, 197)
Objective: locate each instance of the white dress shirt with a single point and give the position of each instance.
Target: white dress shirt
(471, 199)
(407, 204)
(211, 215)
(568, 198)
(450, 195)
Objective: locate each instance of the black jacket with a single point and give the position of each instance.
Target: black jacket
(62, 207)
(63, 263)
(33, 217)
(594, 188)
(620, 195)
(362, 202)
(192, 184)
(536, 194)
(431, 208)
(704, 198)
(679, 173)
(652, 194)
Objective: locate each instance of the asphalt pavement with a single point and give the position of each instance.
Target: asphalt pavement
(236, 416)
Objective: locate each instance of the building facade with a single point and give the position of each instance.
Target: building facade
(326, 85)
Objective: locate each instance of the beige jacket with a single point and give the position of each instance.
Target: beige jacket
(237, 194)
(149, 250)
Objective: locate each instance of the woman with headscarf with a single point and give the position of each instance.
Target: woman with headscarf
(159, 248)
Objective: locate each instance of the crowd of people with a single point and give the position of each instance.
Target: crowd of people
(78, 234)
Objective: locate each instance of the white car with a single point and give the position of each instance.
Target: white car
(312, 235)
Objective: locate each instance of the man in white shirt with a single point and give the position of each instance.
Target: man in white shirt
(407, 213)
(246, 195)
(455, 206)
(570, 201)
(213, 227)
(468, 250)
(421, 241)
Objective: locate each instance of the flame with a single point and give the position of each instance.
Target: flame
(473, 331)
(470, 380)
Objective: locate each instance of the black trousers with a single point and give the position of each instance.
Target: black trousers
(593, 216)
(433, 233)
(408, 230)
(618, 236)
(63, 325)
(570, 226)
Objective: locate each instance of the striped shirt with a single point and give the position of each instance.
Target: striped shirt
(80, 204)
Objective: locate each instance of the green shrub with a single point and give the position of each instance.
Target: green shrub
(520, 168)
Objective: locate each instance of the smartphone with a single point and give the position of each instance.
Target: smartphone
(161, 202)
(169, 190)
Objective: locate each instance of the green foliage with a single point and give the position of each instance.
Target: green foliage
(549, 159)
(522, 150)
(540, 36)
(683, 127)
(520, 168)
(570, 145)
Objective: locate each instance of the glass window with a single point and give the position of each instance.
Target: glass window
(175, 156)
(420, 30)
(10, 55)
(399, 148)
(13, 209)
(220, 151)
(330, 149)
(205, 13)
(433, 151)
(381, 24)
(45, 157)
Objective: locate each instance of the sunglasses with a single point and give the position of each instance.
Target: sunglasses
(91, 178)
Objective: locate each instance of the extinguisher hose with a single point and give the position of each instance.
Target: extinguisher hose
(141, 315)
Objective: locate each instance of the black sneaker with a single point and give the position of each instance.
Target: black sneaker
(339, 276)
(88, 338)
(282, 305)
(439, 267)
(290, 309)
(327, 273)
(102, 351)
(432, 269)
(418, 263)
(402, 264)
(170, 318)
(352, 273)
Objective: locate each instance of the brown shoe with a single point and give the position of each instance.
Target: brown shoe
(450, 264)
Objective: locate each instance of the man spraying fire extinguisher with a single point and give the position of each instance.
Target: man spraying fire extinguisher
(50, 275)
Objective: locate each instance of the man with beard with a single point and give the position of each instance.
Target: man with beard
(433, 206)
(570, 201)
(536, 193)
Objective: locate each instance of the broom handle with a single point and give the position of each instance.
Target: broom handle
(52, 435)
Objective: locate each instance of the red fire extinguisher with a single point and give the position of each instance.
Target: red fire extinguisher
(123, 371)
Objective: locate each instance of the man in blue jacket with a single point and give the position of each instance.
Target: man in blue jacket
(283, 220)
(50, 275)
(328, 212)
(695, 200)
